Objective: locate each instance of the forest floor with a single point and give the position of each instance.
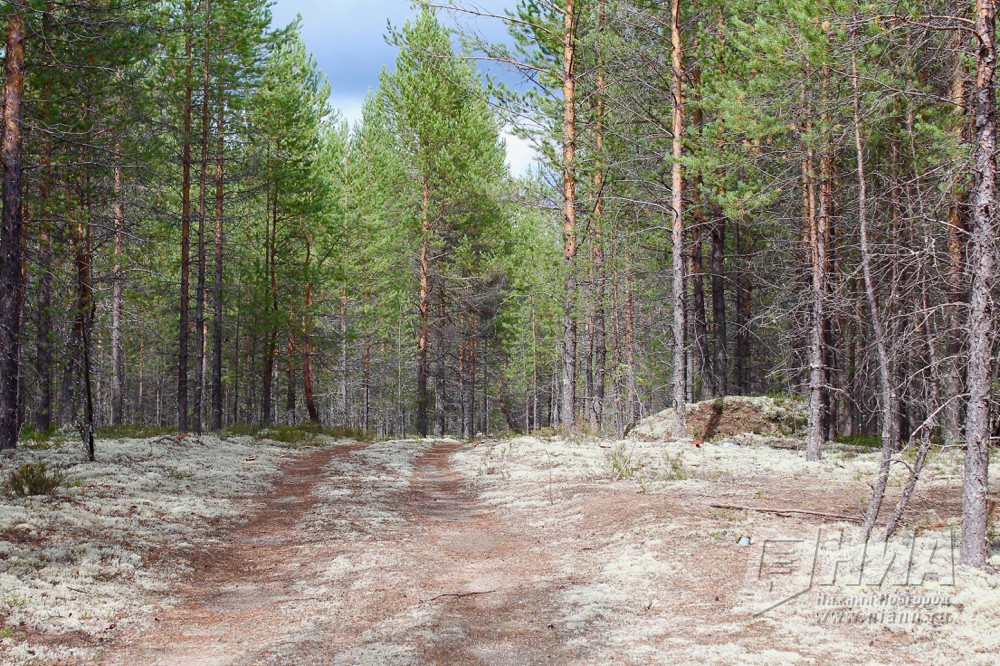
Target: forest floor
(535, 550)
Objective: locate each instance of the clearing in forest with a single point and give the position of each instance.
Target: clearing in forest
(509, 552)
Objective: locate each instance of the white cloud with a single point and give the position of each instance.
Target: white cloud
(349, 106)
(521, 154)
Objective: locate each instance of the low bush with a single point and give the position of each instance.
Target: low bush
(134, 431)
(33, 479)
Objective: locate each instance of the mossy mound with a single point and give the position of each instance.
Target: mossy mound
(731, 416)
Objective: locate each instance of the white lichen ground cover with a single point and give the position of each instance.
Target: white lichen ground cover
(79, 565)
(586, 551)
(959, 608)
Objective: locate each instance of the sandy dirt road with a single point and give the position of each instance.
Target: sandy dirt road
(387, 554)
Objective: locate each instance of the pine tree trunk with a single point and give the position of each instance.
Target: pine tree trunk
(84, 313)
(720, 342)
(702, 359)
(185, 305)
(43, 339)
(308, 331)
(982, 266)
(568, 410)
(366, 388)
(423, 309)
(199, 386)
(44, 334)
(817, 220)
(290, 398)
(741, 344)
(117, 300)
(272, 341)
(677, 236)
(219, 255)
(441, 370)
(633, 402)
(344, 370)
(600, 276)
(957, 234)
(10, 226)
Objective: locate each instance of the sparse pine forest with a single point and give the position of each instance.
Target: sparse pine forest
(779, 198)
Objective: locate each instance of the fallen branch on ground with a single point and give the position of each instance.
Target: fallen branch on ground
(761, 509)
(460, 595)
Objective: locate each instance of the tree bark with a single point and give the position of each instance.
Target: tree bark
(720, 338)
(308, 332)
(290, 380)
(43, 334)
(568, 410)
(957, 234)
(185, 305)
(117, 300)
(85, 310)
(423, 310)
(219, 255)
(10, 225)
(982, 265)
(600, 276)
(199, 385)
(744, 286)
(272, 342)
(345, 414)
(817, 228)
(703, 364)
(677, 236)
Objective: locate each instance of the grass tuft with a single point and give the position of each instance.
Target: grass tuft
(33, 479)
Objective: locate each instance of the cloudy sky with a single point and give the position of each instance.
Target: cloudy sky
(348, 40)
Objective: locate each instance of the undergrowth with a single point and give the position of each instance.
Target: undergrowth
(623, 465)
(869, 442)
(32, 479)
(309, 433)
(134, 431)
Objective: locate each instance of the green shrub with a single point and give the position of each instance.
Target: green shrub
(31, 434)
(134, 431)
(861, 440)
(620, 463)
(309, 433)
(241, 430)
(33, 479)
(347, 432)
(674, 467)
(291, 434)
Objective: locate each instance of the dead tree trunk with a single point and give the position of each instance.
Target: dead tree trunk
(817, 232)
(982, 265)
(889, 397)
